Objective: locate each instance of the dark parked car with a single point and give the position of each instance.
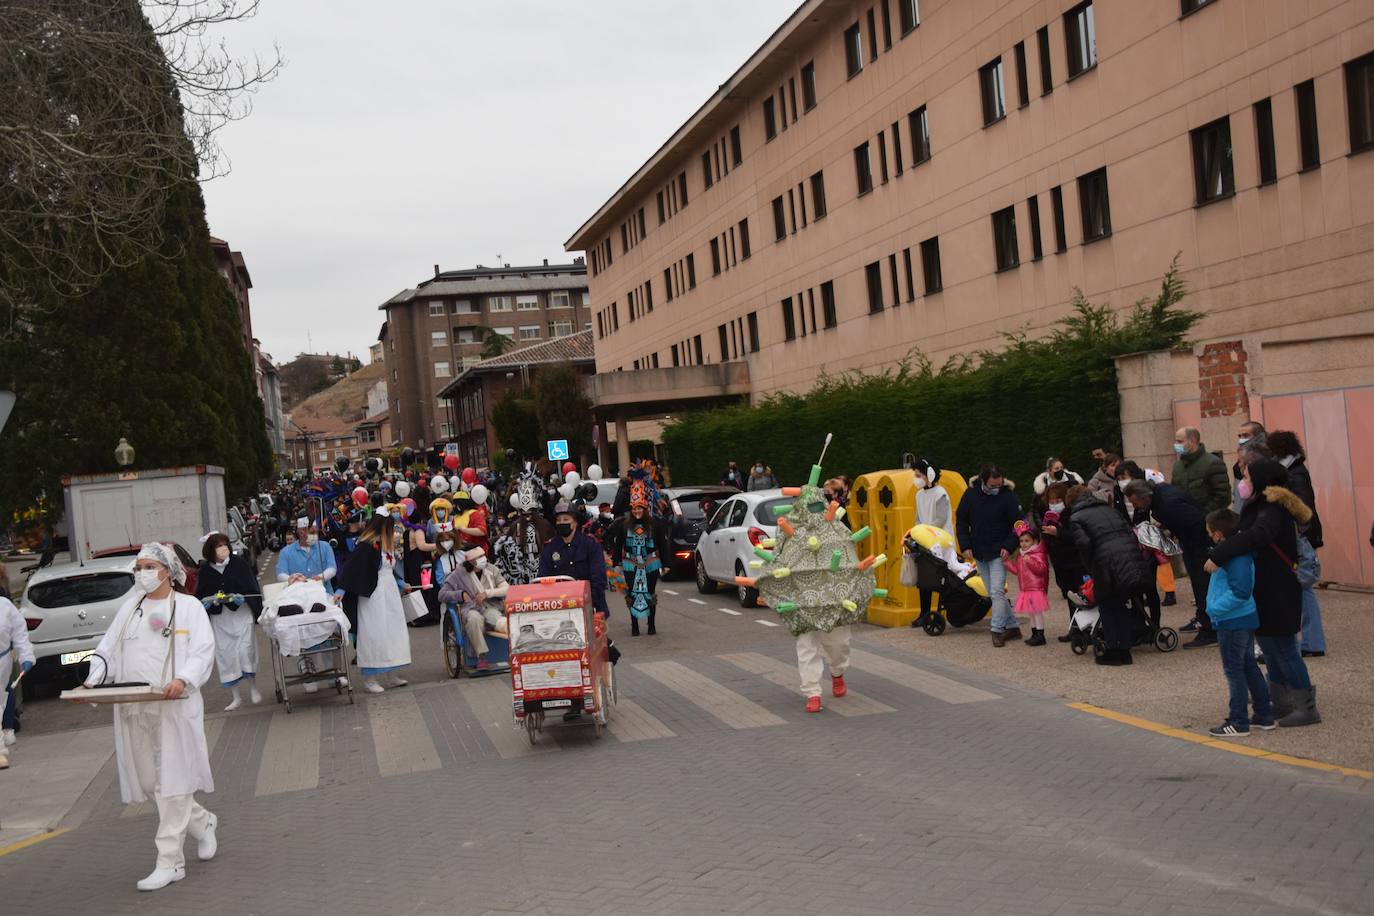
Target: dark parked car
(692, 506)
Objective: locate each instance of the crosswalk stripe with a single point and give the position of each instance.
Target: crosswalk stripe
(696, 601)
(670, 592)
(631, 722)
(731, 611)
(400, 735)
(765, 623)
(699, 690)
(776, 671)
(929, 683)
(490, 699)
(291, 756)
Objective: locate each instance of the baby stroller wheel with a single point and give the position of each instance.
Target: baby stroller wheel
(1078, 646)
(934, 624)
(1099, 648)
(1166, 640)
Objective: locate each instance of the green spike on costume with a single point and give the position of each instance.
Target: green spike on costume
(815, 479)
(836, 558)
(763, 555)
(880, 593)
(786, 607)
(862, 533)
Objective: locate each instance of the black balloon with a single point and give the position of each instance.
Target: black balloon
(378, 499)
(372, 465)
(587, 490)
(341, 463)
(407, 456)
(510, 455)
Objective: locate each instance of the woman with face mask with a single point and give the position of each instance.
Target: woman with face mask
(761, 477)
(637, 542)
(162, 637)
(932, 508)
(229, 591)
(373, 587)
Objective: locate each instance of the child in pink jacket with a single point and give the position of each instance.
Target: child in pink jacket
(1031, 566)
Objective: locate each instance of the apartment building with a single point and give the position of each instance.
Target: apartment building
(439, 328)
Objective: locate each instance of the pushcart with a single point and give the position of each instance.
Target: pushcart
(558, 656)
(305, 627)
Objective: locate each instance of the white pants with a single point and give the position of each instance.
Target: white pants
(475, 624)
(177, 814)
(834, 646)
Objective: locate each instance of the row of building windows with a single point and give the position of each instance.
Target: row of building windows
(730, 247)
(557, 299)
(799, 312)
(632, 231)
(733, 342)
(601, 256)
(715, 164)
(607, 320)
(640, 300)
(908, 16)
(789, 210)
(672, 198)
(688, 352)
(680, 277)
(1080, 39)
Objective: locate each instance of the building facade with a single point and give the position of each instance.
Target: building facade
(234, 270)
(438, 329)
(891, 176)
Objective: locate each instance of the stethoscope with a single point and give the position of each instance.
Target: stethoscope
(138, 611)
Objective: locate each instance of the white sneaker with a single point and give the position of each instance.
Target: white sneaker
(312, 687)
(396, 680)
(371, 686)
(254, 694)
(233, 705)
(4, 761)
(161, 877)
(208, 844)
(7, 737)
(343, 682)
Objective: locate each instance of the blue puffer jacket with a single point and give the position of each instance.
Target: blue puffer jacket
(1231, 595)
(984, 523)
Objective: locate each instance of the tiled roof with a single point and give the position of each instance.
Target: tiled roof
(572, 348)
(481, 286)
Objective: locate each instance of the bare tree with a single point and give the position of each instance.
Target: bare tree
(105, 106)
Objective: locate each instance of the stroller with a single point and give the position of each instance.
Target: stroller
(960, 603)
(1086, 627)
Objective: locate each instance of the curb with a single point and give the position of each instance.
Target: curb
(33, 840)
(1183, 735)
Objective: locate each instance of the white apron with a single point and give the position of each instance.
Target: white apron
(159, 747)
(383, 639)
(236, 651)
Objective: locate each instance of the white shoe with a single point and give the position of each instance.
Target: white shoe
(343, 682)
(254, 695)
(208, 844)
(161, 877)
(371, 686)
(233, 705)
(397, 681)
(4, 761)
(312, 687)
(7, 737)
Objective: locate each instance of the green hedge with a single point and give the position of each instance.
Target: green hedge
(1016, 406)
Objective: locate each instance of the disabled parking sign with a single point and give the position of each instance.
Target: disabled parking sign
(558, 449)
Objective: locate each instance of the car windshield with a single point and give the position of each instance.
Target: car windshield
(765, 511)
(694, 506)
(75, 590)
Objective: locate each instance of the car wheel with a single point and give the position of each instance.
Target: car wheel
(748, 597)
(705, 584)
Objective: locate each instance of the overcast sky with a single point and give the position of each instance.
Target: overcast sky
(413, 132)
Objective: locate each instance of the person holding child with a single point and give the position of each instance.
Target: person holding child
(1030, 564)
(1234, 617)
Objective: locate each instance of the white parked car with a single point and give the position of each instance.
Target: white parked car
(728, 541)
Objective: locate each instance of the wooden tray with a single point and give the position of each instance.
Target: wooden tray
(115, 695)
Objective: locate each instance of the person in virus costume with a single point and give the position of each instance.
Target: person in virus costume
(811, 575)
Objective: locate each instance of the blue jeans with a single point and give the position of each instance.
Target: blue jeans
(1284, 660)
(1313, 636)
(1243, 677)
(994, 573)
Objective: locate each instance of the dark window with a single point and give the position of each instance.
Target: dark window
(624, 239)
(744, 239)
(818, 209)
(661, 215)
(872, 36)
(779, 219)
(801, 202)
(1191, 5)
(753, 332)
(1042, 41)
(908, 14)
(677, 360)
(994, 93)
(808, 74)
(707, 178)
(789, 323)
(930, 265)
(1004, 238)
(853, 50)
(641, 224)
(770, 123)
(724, 340)
(920, 135)
(828, 303)
(682, 187)
(736, 148)
(892, 272)
(863, 168)
(648, 296)
(792, 97)
(696, 345)
(1359, 102)
(83, 589)
(792, 209)
(1022, 80)
(1095, 204)
(1033, 211)
(1306, 96)
(873, 274)
(782, 108)
(882, 157)
(668, 283)
(887, 26)
(691, 274)
(1061, 238)
(715, 257)
(897, 148)
(1080, 36)
(1264, 141)
(1213, 174)
(910, 280)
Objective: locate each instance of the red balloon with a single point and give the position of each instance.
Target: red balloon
(360, 496)
(410, 475)
(451, 462)
(568, 468)
(469, 476)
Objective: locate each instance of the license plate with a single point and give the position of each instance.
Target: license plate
(558, 702)
(71, 658)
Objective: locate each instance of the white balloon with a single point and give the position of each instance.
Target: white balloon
(480, 494)
(438, 484)
(573, 478)
(567, 490)
(403, 488)
(594, 472)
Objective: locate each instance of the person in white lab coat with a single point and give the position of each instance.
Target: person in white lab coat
(162, 637)
(15, 652)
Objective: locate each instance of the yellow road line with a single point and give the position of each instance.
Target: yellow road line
(32, 841)
(1244, 751)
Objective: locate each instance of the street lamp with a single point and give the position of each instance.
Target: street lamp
(124, 453)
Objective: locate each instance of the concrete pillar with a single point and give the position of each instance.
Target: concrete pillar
(602, 442)
(622, 444)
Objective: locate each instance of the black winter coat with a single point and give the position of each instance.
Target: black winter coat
(1269, 530)
(1064, 559)
(1300, 482)
(237, 579)
(1109, 549)
(984, 524)
(1173, 508)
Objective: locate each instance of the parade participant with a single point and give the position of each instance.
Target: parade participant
(478, 589)
(1030, 564)
(985, 523)
(447, 557)
(349, 540)
(475, 532)
(761, 477)
(1054, 472)
(228, 589)
(517, 551)
(637, 542)
(417, 556)
(574, 554)
(307, 557)
(599, 525)
(932, 508)
(162, 637)
(372, 587)
(14, 648)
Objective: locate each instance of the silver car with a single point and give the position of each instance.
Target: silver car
(68, 607)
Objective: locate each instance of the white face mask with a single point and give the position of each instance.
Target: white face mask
(149, 580)
(1056, 507)
(920, 482)
(1121, 485)
(481, 563)
(445, 546)
(222, 554)
(312, 539)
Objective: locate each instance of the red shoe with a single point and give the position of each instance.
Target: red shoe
(813, 704)
(837, 687)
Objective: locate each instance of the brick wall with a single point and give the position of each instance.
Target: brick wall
(1221, 380)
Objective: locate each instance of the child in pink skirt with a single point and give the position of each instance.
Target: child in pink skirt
(1031, 566)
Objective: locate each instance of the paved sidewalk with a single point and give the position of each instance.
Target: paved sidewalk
(47, 774)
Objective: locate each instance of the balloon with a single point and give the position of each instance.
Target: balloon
(360, 496)
(407, 456)
(469, 476)
(341, 463)
(384, 486)
(378, 499)
(573, 478)
(372, 465)
(594, 472)
(408, 507)
(438, 485)
(480, 494)
(451, 462)
(402, 489)
(568, 468)
(587, 490)
(567, 491)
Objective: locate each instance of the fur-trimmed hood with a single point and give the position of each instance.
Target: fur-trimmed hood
(1007, 482)
(1282, 496)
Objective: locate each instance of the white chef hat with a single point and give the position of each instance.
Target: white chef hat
(165, 555)
(303, 522)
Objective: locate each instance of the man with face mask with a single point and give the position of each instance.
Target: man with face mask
(307, 557)
(572, 553)
(1198, 472)
(761, 477)
(985, 524)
